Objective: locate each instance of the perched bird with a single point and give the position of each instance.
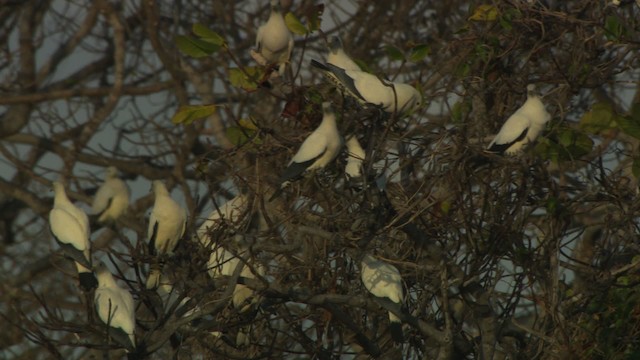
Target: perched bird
(355, 158)
(115, 307)
(521, 128)
(223, 262)
(274, 41)
(112, 198)
(384, 280)
(70, 227)
(338, 57)
(166, 227)
(230, 212)
(369, 89)
(169, 295)
(318, 149)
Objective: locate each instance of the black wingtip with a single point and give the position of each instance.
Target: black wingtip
(479, 161)
(88, 281)
(395, 328)
(498, 148)
(138, 352)
(275, 194)
(319, 65)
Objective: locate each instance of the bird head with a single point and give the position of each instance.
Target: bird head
(58, 186)
(111, 172)
(335, 44)
(327, 108)
(418, 97)
(102, 271)
(158, 187)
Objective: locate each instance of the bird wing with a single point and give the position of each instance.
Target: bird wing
(230, 212)
(353, 168)
(111, 200)
(166, 224)
(313, 148)
(152, 234)
(514, 130)
(259, 37)
(102, 200)
(372, 90)
(340, 77)
(70, 235)
(78, 214)
(382, 280)
(295, 169)
(115, 307)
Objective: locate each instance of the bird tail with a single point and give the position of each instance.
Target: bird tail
(479, 161)
(139, 352)
(276, 193)
(153, 280)
(86, 277)
(395, 328)
(243, 337)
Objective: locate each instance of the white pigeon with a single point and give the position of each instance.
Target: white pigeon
(230, 212)
(317, 150)
(521, 128)
(355, 158)
(221, 261)
(167, 224)
(384, 280)
(70, 227)
(338, 57)
(274, 41)
(112, 198)
(114, 305)
(369, 89)
(224, 263)
(169, 294)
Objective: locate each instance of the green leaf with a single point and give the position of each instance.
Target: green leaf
(565, 144)
(460, 111)
(315, 19)
(248, 124)
(241, 134)
(505, 22)
(248, 79)
(294, 25)
(635, 167)
(195, 47)
(462, 70)
(394, 53)
(237, 135)
(484, 13)
(628, 125)
(553, 205)
(445, 206)
(575, 144)
(207, 35)
(635, 112)
(599, 118)
(419, 52)
(188, 114)
(614, 29)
